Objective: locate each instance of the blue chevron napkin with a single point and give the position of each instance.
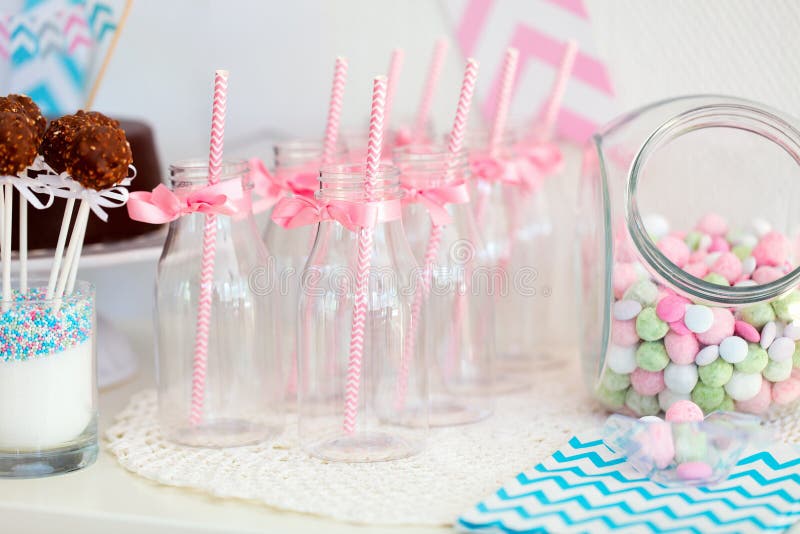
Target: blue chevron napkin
(584, 487)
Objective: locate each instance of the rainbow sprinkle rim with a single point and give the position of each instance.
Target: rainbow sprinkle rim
(34, 327)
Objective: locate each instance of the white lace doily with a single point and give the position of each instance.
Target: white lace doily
(461, 465)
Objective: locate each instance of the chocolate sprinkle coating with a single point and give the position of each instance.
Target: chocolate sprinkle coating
(18, 143)
(95, 117)
(58, 139)
(99, 156)
(33, 112)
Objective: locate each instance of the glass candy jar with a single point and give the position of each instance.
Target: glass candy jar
(240, 396)
(48, 386)
(458, 337)
(688, 257)
(378, 413)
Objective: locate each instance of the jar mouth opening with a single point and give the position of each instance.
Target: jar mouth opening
(195, 170)
(355, 173)
(751, 119)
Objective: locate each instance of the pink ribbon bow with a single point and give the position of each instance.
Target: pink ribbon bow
(437, 198)
(292, 212)
(270, 188)
(162, 205)
(527, 170)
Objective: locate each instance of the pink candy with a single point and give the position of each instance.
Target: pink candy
(772, 250)
(746, 331)
(719, 244)
(723, 327)
(729, 266)
(766, 274)
(787, 391)
(684, 411)
(698, 269)
(679, 328)
(647, 382)
(658, 445)
(623, 278)
(758, 404)
(681, 348)
(623, 333)
(713, 225)
(694, 471)
(674, 249)
(671, 308)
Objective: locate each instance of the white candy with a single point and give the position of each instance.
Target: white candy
(760, 226)
(743, 386)
(656, 225)
(781, 349)
(621, 360)
(711, 258)
(707, 355)
(792, 330)
(641, 271)
(698, 318)
(704, 243)
(733, 349)
(745, 283)
(624, 310)
(768, 334)
(680, 378)
(748, 265)
(651, 419)
(748, 240)
(778, 371)
(668, 397)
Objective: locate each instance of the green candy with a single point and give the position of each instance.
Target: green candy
(693, 239)
(642, 404)
(649, 326)
(716, 278)
(613, 400)
(788, 308)
(615, 381)
(727, 404)
(758, 314)
(756, 360)
(742, 251)
(708, 398)
(778, 371)
(652, 356)
(690, 445)
(716, 374)
(644, 292)
(796, 355)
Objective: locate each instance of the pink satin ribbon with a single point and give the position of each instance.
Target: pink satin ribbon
(528, 169)
(435, 199)
(269, 188)
(292, 212)
(162, 205)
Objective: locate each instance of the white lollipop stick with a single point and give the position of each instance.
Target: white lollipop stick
(73, 271)
(72, 248)
(8, 191)
(23, 245)
(62, 241)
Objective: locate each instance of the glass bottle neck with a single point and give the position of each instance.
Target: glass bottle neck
(349, 182)
(426, 166)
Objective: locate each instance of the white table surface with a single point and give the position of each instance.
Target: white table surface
(105, 498)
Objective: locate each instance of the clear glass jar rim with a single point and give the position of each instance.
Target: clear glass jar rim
(196, 169)
(676, 126)
(356, 172)
(83, 290)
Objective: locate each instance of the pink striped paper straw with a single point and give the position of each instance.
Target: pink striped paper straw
(200, 362)
(426, 102)
(553, 104)
(395, 66)
(374, 149)
(504, 98)
(334, 110)
(455, 143)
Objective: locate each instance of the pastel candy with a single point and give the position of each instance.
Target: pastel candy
(658, 443)
(722, 326)
(656, 225)
(786, 392)
(756, 360)
(776, 371)
(681, 349)
(787, 309)
(652, 356)
(649, 326)
(698, 318)
(625, 310)
(615, 381)
(759, 403)
(680, 378)
(760, 226)
(781, 349)
(748, 265)
(729, 266)
(651, 419)
(733, 349)
(621, 360)
(667, 398)
(743, 386)
(647, 382)
(613, 400)
(792, 330)
(641, 404)
(692, 239)
(707, 355)
(708, 398)
(624, 276)
(684, 411)
(690, 444)
(715, 374)
(712, 224)
(717, 279)
(758, 314)
(772, 249)
(711, 257)
(728, 405)
(719, 244)
(698, 269)
(746, 331)
(768, 334)
(671, 308)
(766, 274)
(742, 252)
(674, 249)
(694, 471)
(679, 328)
(644, 292)
(623, 333)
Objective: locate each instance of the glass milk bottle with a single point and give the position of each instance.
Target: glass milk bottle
(689, 257)
(359, 409)
(458, 337)
(239, 397)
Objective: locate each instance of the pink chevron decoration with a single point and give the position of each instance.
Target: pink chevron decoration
(355, 361)
(202, 329)
(334, 110)
(540, 30)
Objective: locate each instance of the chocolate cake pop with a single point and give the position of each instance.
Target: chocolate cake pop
(99, 156)
(58, 139)
(18, 143)
(32, 111)
(95, 117)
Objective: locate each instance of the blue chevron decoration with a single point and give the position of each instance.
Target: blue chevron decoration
(585, 487)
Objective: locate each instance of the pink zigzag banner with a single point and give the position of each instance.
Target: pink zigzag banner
(540, 30)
